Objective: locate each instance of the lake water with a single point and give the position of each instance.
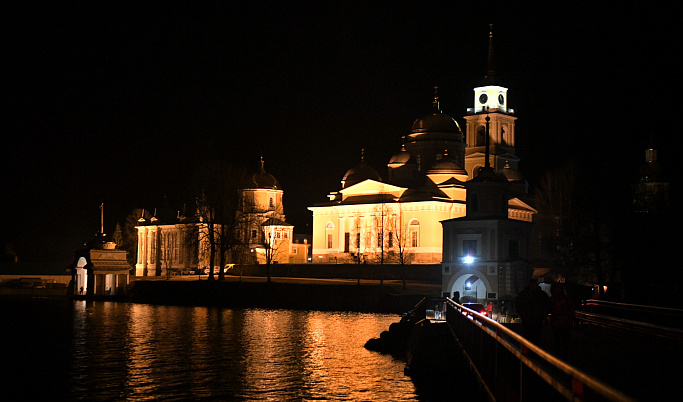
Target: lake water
(73, 350)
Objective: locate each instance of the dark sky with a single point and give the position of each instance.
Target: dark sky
(118, 105)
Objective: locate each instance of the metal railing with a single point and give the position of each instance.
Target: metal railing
(511, 368)
(662, 322)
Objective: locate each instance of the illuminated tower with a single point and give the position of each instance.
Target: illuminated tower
(490, 100)
(651, 192)
(486, 253)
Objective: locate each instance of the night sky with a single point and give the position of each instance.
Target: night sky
(114, 104)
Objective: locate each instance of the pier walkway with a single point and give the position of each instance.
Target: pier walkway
(624, 362)
(644, 367)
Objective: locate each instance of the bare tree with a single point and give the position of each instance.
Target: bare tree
(274, 242)
(381, 217)
(573, 236)
(219, 186)
(399, 247)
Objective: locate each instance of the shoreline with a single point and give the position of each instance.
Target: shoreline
(285, 293)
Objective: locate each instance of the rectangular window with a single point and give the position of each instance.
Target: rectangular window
(379, 239)
(390, 240)
(413, 240)
(347, 240)
(329, 240)
(469, 247)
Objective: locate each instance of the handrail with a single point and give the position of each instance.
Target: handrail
(566, 380)
(630, 325)
(657, 315)
(635, 306)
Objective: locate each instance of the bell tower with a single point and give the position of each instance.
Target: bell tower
(490, 101)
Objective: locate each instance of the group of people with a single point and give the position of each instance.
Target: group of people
(533, 306)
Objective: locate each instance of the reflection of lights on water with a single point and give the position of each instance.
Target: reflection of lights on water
(270, 354)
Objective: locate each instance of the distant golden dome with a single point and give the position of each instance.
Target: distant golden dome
(359, 173)
(436, 126)
(262, 179)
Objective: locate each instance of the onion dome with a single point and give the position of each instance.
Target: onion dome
(436, 126)
(510, 174)
(446, 165)
(400, 158)
(486, 174)
(262, 179)
(359, 173)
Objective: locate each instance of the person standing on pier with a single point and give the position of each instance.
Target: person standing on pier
(533, 306)
(561, 319)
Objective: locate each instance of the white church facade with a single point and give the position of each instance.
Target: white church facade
(168, 247)
(398, 218)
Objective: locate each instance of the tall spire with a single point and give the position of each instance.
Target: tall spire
(102, 218)
(487, 156)
(435, 103)
(490, 78)
(263, 169)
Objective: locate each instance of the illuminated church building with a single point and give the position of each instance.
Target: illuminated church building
(379, 220)
(169, 245)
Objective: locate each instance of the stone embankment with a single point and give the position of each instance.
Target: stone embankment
(286, 295)
(394, 341)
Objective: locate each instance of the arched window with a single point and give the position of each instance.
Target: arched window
(481, 136)
(414, 230)
(329, 234)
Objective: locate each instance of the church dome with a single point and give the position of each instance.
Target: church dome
(359, 173)
(436, 126)
(435, 122)
(510, 174)
(446, 165)
(400, 158)
(262, 179)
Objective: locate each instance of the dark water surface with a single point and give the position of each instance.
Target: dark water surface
(73, 350)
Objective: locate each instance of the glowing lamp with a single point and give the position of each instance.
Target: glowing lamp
(468, 259)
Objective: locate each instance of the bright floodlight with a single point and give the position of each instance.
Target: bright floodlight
(468, 259)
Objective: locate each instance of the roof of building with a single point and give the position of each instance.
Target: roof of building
(262, 179)
(359, 173)
(275, 222)
(445, 164)
(510, 174)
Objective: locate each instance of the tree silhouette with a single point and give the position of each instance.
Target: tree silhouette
(218, 185)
